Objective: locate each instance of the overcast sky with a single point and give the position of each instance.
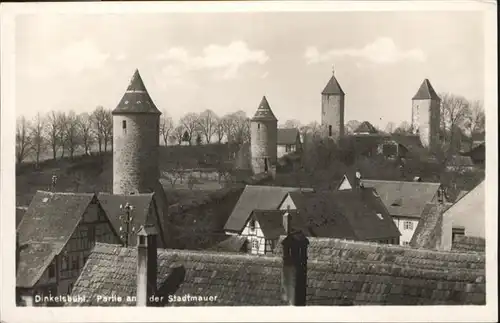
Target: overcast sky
(228, 61)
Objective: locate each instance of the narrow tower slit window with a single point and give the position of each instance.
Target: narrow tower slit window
(258, 126)
(330, 130)
(124, 125)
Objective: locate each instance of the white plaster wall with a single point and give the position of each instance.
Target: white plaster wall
(406, 234)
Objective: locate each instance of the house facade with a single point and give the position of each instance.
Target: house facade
(56, 237)
(405, 201)
(288, 141)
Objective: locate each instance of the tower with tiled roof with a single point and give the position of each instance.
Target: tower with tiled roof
(332, 108)
(263, 138)
(426, 115)
(136, 133)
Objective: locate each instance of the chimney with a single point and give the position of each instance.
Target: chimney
(446, 223)
(357, 181)
(287, 221)
(294, 273)
(146, 264)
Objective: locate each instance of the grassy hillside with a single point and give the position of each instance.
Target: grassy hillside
(95, 173)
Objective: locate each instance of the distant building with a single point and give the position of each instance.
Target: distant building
(460, 164)
(263, 138)
(365, 128)
(56, 235)
(332, 109)
(302, 271)
(253, 199)
(288, 141)
(405, 201)
(426, 115)
(356, 214)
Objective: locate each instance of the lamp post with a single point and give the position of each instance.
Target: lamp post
(126, 218)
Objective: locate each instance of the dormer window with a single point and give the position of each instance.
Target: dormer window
(397, 202)
(380, 216)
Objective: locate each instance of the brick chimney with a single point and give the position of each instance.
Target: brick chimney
(294, 273)
(287, 221)
(147, 266)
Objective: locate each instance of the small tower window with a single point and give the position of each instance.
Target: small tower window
(330, 130)
(258, 126)
(124, 124)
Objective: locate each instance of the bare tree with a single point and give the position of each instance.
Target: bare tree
(291, 124)
(403, 128)
(178, 133)
(475, 120)
(53, 132)
(23, 139)
(72, 133)
(220, 129)
(227, 124)
(207, 122)
(63, 124)
(390, 127)
(166, 127)
(190, 123)
(87, 138)
(455, 110)
(37, 137)
(98, 118)
(351, 126)
(240, 127)
(108, 130)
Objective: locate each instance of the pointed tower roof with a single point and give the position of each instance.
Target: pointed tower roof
(136, 99)
(426, 92)
(333, 87)
(366, 127)
(264, 112)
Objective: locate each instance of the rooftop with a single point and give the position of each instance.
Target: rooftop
(264, 112)
(363, 274)
(426, 92)
(136, 98)
(333, 87)
(287, 136)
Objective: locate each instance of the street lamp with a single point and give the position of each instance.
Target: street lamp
(126, 220)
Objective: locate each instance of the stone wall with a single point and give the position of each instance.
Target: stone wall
(135, 153)
(426, 118)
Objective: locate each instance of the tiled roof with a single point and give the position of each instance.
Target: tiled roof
(231, 244)
(287, 136)
(411, 142)
(45, 229)
(366, 127)
(333, 87)
(333, 250)
(256, 197)
(404, 198)
(53, 216)
(349, 214)
(426, 91)
(271, 223)
(136, 99)
(378, 278)
(428, 231)
(141, 215)
(34, 258)
(264, 112)
(468, 244)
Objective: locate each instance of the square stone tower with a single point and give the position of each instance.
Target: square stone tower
(263, 138)
(332, 109)
(426, 115)
(136, 140)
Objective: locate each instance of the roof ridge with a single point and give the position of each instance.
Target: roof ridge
(67, 193)
(389, 181)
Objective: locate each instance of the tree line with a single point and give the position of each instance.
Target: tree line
(63, 134)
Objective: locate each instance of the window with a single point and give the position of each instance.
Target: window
(406, 243)
(252, 225)
(70, 288)
(255, 244)
(408, 225)
(64, 263)
(330, 130)
(52, 270)
(258, 125)
(457, 232)
(380, 216)
(75, 263)
(124, 124)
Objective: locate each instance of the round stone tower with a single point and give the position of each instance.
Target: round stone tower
(263, 138)
(332, 109)
(136, 138)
